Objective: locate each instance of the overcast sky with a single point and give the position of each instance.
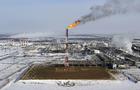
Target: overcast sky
(52, 16)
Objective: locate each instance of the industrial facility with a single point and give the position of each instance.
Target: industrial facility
(89, 57)
(98, 51)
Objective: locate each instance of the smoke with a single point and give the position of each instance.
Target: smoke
(114, 7)
(111, 7)
(123, 42)
(32, 35)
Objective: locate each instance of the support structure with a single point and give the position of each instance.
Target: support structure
(66, 62)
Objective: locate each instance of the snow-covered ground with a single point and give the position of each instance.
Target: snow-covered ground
(133, 72)
(79, 85)
(13, 64)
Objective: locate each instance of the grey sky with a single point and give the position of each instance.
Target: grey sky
(52, 16)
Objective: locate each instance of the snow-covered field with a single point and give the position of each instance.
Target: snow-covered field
(133, 72)
(79, 85)
(12, 65)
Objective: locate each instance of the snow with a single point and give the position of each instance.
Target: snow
(9, 71)
(12, 65)
(133, 72)
(95, 84)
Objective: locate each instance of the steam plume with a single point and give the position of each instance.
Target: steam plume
(122, 42)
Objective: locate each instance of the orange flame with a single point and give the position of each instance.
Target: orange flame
(73, 25)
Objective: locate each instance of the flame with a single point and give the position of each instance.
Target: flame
(73, 25)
